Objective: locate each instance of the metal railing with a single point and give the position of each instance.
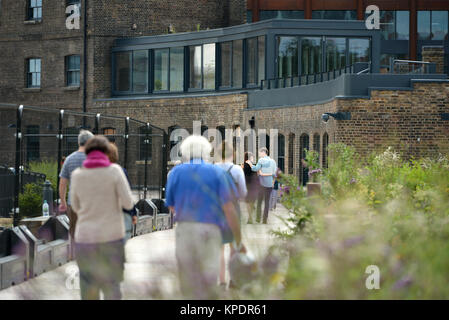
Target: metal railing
(289, 82)
(411, 67)
(35, 134)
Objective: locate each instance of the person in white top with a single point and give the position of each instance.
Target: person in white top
(237, 175)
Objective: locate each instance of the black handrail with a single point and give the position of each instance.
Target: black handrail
(306, 79)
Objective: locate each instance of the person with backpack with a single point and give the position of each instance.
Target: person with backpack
(235, 173)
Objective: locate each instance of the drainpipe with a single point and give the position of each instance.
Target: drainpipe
(85, 63)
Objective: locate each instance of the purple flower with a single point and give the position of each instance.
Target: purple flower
(353, 180)
(403, 282)
(351, 242)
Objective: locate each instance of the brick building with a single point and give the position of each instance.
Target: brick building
(276, 74)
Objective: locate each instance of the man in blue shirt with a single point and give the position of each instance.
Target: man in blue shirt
(267, 167)
(201, 196)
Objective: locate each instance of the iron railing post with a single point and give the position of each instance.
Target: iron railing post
(17, 165)
(125, 164)
(164, 164)
(147, 142)
(59, 136)
(97, 124)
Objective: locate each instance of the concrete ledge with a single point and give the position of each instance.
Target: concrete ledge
(71, 88)
(31, 90)
(31, 22)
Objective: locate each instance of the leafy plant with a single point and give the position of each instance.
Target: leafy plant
(49, 169)
(30, 201)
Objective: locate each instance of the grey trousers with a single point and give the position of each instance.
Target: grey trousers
(198, 248)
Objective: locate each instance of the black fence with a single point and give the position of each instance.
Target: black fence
(36, 139)
(7, 180)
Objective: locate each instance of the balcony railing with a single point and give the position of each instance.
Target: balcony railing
(289, 82)
(412, 67)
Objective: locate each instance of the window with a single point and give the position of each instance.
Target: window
(304, 145)
(209, 66)
(145, 143)
(232, 64)
(311, 56)
(291, 150)
(261, 58)
(140, 71)
(33, 145)
(202, 67)
(287, 57)
(72, 65)
(325, 150)
(237, 63)
(432, 25)
(251, 58)
(439, 25)
(335, 53)
(249, 16)
(196, 80)
(226, 64)
(177, 69)
(394, 25)
(123, 71)
(334, 14)
(34, 9)
(131, 71)
(161, 69)
(359, 50)
(281, 152)
(281, 14)
(402, 25)
(34, 73)
(316, 143)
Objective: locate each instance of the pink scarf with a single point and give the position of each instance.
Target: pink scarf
(96, 159)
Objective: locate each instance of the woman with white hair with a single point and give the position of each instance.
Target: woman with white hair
(201, 196)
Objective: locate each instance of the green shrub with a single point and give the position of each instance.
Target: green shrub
(30, 201)
(383, 211)
(49, 169)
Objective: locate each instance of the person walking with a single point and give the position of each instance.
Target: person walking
(130, 216)
(201, 195)
(72, 162)
(252, 184)
(238, 178)
(267, 166)
(274, 193)
(99, 192)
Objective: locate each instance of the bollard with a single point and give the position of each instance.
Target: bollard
(48, 195)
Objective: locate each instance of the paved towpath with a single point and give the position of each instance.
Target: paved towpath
(150, 271)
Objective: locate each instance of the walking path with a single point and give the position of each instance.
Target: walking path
(150, 271)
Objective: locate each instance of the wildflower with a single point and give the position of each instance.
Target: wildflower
(403, 282)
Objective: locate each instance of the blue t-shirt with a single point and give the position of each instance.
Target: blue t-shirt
(198, 191)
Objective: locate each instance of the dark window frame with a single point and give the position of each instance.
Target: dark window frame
(430, 37)
(69, 71)
(202, 88)
(29, 74)
(131, 73)
(34, 10)
(281, 152)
